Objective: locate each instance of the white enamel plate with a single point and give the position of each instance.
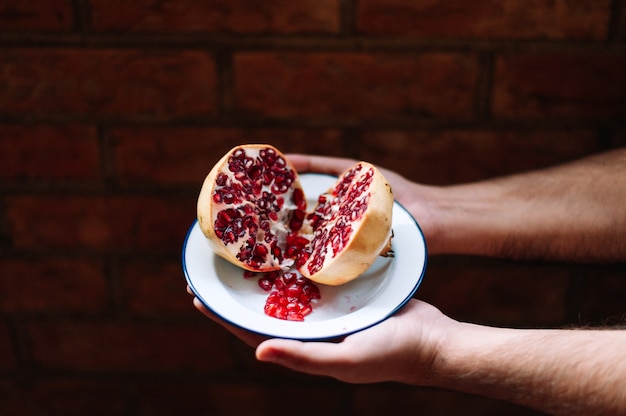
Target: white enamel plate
(371, 298)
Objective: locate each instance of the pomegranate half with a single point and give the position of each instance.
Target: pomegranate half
(351, 226)
(250, 202)
(253, 211)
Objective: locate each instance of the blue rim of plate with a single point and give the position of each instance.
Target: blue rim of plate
(273, 334)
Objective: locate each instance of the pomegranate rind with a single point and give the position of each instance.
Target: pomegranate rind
(370, 236)
(207, 211)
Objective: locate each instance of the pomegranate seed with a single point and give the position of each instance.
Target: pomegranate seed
(291, 251)
(302, 258)
(277, 253)
(298, 199)
(221, 179)
(266, 284)
(297, 219)
(294, 291)
(279, 284)
(255, 262)
(260, 250)
(289, 277)
(255, 172)
(272, 275)
(268, 177)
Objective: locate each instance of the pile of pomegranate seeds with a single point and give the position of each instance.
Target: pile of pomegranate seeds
(291, 295)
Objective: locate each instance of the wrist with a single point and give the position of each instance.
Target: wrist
(427, 209)
(472, 219)
(452, 355)
(456, 219)
(485, 361)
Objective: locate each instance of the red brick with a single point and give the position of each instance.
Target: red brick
(36, 15)
(374, 400)
(65, 396)
(486, 19)
(223, 16)
(574, 86)
(8, 360)
(241, 398)
(620, 29)
(45, 153)
(186, 155)
(99, 223)
(131, 347)
(618, 137)
(104, 83)
(604, 291)
(618, 25)
(156, 288)
(454, 156)
(338, 85)
(52, 285)
(497, 293)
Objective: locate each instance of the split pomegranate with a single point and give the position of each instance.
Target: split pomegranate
(253, 211)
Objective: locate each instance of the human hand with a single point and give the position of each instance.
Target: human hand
(403, 348)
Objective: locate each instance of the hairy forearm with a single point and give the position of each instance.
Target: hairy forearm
(569, 372)
(569, 212)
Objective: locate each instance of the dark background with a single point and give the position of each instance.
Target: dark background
(113, 111)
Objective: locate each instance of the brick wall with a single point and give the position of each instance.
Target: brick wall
(113, 111)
